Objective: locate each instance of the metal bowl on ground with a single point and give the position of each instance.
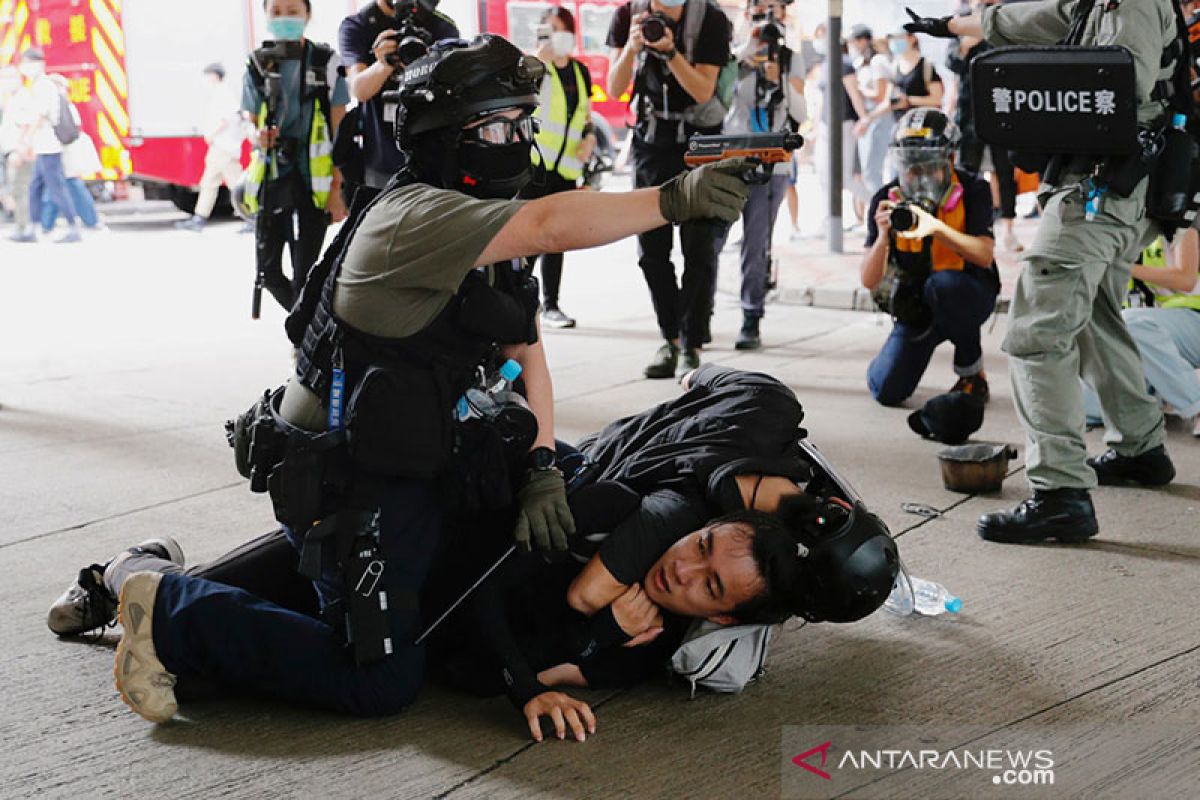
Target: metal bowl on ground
(974, 468)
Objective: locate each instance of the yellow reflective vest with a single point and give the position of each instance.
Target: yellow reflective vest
(558, 138)
(1155, 256)
(320, 161)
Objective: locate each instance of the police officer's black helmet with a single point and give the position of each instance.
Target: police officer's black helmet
(924, 134)
(850, 565)
(458, 81)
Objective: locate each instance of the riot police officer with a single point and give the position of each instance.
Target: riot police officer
(368, 447)
(1065, 318)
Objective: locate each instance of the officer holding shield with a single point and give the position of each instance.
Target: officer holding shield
(1065, 318)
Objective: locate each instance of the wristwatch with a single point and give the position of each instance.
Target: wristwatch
(542, 459)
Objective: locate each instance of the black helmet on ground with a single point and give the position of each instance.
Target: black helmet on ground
(443, 97)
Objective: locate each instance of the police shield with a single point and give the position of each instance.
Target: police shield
(1077, 100)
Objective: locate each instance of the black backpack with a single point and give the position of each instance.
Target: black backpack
(67, 127)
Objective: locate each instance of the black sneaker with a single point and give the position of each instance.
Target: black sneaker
(690, 360)
(1063, 514)
(1151, 468)
(88, 603)
(553, 317)
(975, 385)
(748, 337)
(664, 363)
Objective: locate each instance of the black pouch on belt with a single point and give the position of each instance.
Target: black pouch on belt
(1175, 180)
(399, 422)
(1122, 174)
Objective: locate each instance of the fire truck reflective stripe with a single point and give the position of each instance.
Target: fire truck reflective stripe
(108, 61)
(108, 23)
(111, 104)
(8, 45)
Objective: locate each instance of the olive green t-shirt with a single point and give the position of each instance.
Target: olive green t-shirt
(408, 257)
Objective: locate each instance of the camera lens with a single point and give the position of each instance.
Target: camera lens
(903, 219)
(653, 29)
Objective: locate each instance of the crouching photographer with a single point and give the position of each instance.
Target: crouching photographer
(930, 260)
(673, 51)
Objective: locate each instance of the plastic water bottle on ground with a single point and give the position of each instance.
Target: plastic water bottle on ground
(926, 598)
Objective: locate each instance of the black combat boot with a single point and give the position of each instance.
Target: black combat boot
(1151, 468)
(748, 338)
(664, 363)
(1063, 514)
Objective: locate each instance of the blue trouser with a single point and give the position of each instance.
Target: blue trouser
(221, 633)
(85, 207)
(1168, 340)
(48, 178)
(961, 303)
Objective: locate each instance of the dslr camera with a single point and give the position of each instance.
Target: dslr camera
(654, 26)
(902, 217)
(413, 39)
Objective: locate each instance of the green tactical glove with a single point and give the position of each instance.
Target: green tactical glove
(716, 190)
(544, 511)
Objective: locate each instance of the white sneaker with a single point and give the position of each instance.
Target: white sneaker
(143, 681)
(1196, 426)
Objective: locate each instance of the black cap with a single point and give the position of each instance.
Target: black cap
(949, 418)
(860, 31)
(215, 68)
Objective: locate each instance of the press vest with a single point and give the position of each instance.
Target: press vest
(558, 137)
(319, 153)
(402, 391)
(952, 211)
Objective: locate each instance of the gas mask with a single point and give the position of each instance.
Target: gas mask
(923, 180)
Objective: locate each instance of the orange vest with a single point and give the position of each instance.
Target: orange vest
(953, 212)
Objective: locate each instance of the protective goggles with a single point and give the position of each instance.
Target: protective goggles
(502, 130)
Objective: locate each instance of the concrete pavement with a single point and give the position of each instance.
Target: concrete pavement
(121, 358)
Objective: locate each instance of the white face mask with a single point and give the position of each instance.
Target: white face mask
(819, 46)
(562, 42)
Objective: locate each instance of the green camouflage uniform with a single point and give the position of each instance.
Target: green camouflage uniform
(1065, 320)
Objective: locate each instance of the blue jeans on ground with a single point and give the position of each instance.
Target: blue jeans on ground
(85, 206)
(221, 633)
(961, 303)
(48, 179)
(1168, 340)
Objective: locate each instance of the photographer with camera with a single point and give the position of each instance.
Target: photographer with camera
(672, 51)
(1065, 320)
(768, 96)
(374, 45)
(930, 260)
(296, 92)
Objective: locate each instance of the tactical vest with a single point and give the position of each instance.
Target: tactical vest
(934, 254)
(558, 137)
(401, 392)
(319, 152)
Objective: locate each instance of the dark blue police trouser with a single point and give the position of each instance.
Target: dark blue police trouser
(226, 634)
(961, 303)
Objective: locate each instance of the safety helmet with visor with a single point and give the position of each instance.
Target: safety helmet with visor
(922, 151)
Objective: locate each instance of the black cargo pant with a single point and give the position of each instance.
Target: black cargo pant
(288, 217)
(681, 310)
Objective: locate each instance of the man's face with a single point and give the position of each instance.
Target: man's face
(286, 8)
(760, 10)
(706, 574)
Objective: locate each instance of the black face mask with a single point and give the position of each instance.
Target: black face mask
(493, 171)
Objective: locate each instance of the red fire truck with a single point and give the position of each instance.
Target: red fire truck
(134, 66)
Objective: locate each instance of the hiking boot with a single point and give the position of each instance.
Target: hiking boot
(1063, 514)
(90, 601)
(664, 363)
(748, 337)
(143, 681)
(1151, 468)
(690, 360)
(553, 317)
(975, 385)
